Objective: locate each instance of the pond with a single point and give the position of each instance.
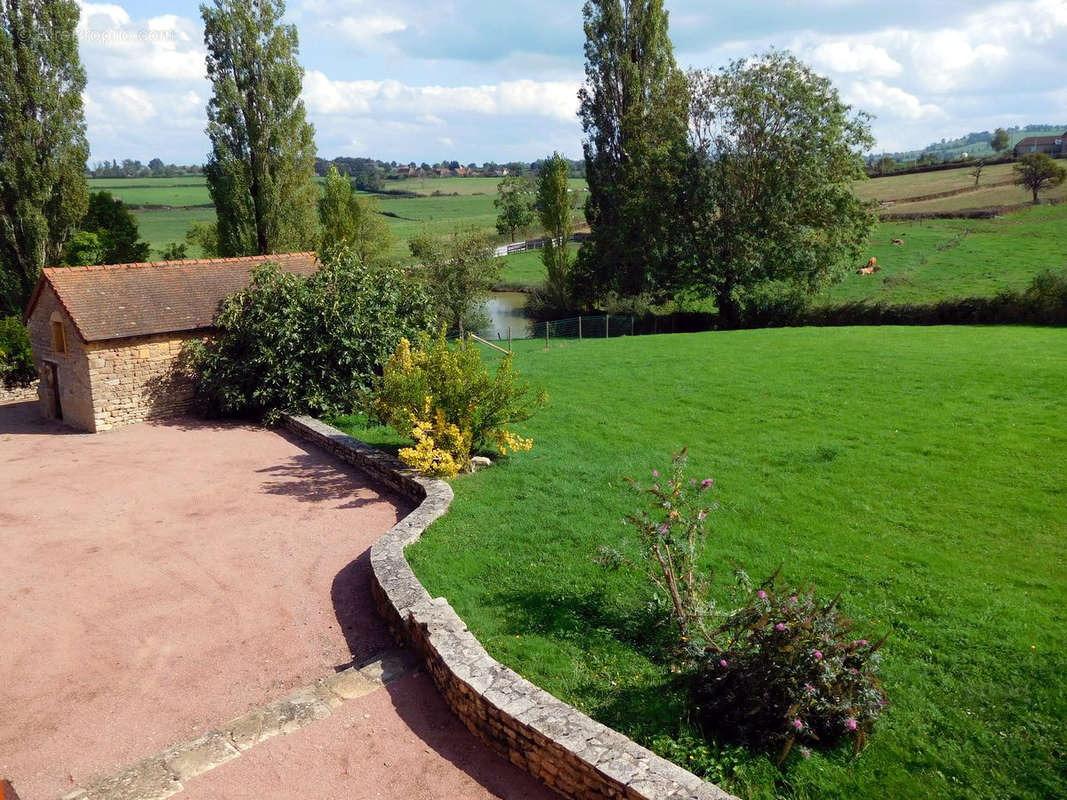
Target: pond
(505, 314)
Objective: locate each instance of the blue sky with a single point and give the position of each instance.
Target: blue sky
(478, 80)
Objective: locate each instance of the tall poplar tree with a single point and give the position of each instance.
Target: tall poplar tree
(634, 108)
(262, 165)
(43, 148)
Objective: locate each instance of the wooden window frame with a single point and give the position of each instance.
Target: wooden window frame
(59, 337)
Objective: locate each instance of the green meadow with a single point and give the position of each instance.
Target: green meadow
(921, 472)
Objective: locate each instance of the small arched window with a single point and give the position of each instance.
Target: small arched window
(59, 337)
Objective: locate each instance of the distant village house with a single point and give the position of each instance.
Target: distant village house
(1049, 145)
(106, 339)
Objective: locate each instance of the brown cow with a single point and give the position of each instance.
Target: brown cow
(871, 268)
(899, 242)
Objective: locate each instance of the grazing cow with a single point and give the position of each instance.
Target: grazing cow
(871, 268)
(899, 241)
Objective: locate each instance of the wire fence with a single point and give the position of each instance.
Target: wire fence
(599, 326)
(530, 244)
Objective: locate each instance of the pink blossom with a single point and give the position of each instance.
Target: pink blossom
(664, 528)
(781, 626)
(850, 723)
(854, 671)
(692, 480)
(798, 724)
(762, 595)
(818, 655)
(655, 473)
(863, 643)
(809, 688)
(706, 483)
(722, 662)
(804, 751)
(792, 600)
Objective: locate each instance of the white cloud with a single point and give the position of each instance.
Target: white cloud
(849, 57)
(553, 99)
(879, 98)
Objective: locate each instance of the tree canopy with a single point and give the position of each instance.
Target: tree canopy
(350, 222)
(554, 208)
(115, 231)
(262, 165)
(633, 112)
(514, 198)
(1036, 171)
(458, 272)
(769, 200)
(43, 148)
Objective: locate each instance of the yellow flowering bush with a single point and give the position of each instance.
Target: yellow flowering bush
(445, 398)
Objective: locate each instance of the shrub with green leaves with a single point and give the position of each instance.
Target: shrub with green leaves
(433, 381)
(788, 668)
(311, 345)
(16, 359)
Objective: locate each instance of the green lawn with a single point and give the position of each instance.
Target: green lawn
(161, 227)
(921, 471)
(525, 269)
(190, 191)
(942, 259)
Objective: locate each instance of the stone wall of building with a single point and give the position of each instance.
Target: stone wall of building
(138, 379)
(72, 367)
(571, 753)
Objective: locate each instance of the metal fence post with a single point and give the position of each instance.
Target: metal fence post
(631, 324)
(546, 335)
(579, 329)
(607, 326)
(509, 338)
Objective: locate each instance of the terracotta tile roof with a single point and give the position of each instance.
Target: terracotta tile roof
(116, 301)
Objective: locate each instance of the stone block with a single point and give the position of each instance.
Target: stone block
(197, 757)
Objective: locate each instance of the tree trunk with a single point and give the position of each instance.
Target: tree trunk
(729, 308)
(1034, 189)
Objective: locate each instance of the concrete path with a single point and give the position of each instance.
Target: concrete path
(159, 580)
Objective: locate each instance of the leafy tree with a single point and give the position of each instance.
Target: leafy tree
(83, 250)
(458, 272)
(175, 251)
(350, 222)
(1036, 171)
(16, 358)
(262, 163)
(156, 164)
(115, 229)
(514, 198)
(769, 200)
(43, 148)
(1001, 141)
(310, 345)
(554, 208)
(633, 113)
(204, 235)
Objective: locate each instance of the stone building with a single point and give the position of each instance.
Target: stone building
(105, 339)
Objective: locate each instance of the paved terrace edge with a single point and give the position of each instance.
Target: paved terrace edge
(562, 747)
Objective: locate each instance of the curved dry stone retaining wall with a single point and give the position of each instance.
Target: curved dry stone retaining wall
(568, 751)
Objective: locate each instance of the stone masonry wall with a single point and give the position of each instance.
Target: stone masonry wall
(571, 753)
(75, 389)
(135, 379)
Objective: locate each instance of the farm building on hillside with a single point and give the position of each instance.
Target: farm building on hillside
(105, 339)
(1049, 145)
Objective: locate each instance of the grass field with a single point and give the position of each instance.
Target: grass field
(994, 189)
(526, 269)
(942, 259)
(921, 471)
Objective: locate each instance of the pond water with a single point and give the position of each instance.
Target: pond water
(505, 313)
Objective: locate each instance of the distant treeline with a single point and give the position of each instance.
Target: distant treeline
(132, 168)
(372, 175)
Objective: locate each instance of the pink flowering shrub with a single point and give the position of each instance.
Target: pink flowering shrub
(672, 533)
(786, 668)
